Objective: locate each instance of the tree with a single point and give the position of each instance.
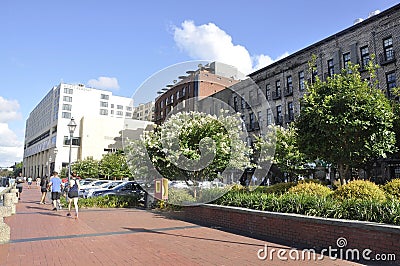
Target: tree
(287, 157)
(345, 120)
(88, 168)
(17, 168)
(114, 165)
(192, 146)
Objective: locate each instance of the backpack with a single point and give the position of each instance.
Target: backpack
(75, 186)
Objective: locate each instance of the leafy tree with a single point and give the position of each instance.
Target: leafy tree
(288, 156)
(17, 169)
(114, 165)
(88, 168)
(345, 120)
(191, 146)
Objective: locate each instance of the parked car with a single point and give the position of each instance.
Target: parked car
(126, 188)
(91, 185)
(89, 192)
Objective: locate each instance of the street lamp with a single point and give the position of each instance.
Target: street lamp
(71, 128)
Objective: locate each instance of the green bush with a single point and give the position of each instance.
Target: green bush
(393, 188)
(360, 190)
(110, 201)
(211, 194)
(278, 188)
(180, 197)
(312, 188)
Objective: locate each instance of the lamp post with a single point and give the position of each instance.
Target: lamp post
(71, 128)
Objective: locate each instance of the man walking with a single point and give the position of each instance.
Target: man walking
(55, 184)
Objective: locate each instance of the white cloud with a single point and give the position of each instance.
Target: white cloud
(9, 110)
(209, 42)
(104, 83)
(11, 148)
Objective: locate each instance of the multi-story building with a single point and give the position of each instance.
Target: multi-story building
(101, 119)
(144, 111)
(203, 82)
(283, 83)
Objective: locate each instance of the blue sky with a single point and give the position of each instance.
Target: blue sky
(45, 42)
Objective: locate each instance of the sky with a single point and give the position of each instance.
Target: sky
(117, 45)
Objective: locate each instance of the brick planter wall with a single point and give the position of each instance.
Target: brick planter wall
(297, 230)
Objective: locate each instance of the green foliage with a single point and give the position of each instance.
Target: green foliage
(288, 156)
(393, 188)
(311, 188)
(278, 188)
(190, 146)
(364, 210)
(345, 120)
(180, 197)
(113, 165)
(109, 201)
(17, 169)
(210, 194)
(88, 168)
(360, 190)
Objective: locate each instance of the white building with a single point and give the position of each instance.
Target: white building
(144, 111)
(101, 117)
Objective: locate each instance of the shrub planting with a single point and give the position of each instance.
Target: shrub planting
(312, 188)
(360, 190)
(393, 188)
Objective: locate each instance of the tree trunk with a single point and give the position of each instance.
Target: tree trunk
(343, 172)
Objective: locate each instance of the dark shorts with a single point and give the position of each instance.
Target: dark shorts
(19, 189)
(73, 194)
(43, 189)
(55, 195)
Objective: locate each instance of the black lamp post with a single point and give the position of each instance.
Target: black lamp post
(71, 128)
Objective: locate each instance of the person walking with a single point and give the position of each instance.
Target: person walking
(55, 184)
(73, 194)
(44, 184)
(20, 182)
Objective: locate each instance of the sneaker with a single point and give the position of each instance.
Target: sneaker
(68, 214)
(54, 209)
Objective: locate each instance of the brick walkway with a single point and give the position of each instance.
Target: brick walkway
(40, 236)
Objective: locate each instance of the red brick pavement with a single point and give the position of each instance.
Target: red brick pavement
(40, 236)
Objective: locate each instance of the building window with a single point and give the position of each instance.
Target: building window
(128, 108)
(120, 113)
(388, 49)
(243, 102)
(103, 104)
(112, 112)
(331, 68)
(346, 60)
(112, 105)
(364, 56)
(302, 85)
(67, 98)
(290, 111)
(279, 114)
(128, 114)
(104, 97)
(76, 141)
(259, 118)
(390, 82)
(103, 112)
(269, 117)
(235, 103)
(268, 91)
(243, 122)
(68, 91)
(66, 107)
(120, 107)
(251, 121)
(289, 84)
(66, 115)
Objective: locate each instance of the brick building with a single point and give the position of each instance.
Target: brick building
(203, 82)
(283, 82)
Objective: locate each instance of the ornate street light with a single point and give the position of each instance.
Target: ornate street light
(71, 128)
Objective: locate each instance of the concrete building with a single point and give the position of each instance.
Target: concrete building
(203, 82)
(144, 111)
(101, 118)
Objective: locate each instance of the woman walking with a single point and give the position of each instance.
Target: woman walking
(44, 185)
(73, 195)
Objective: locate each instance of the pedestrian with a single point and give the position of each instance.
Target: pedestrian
(73, 194)
(29, 182)
(44, 185)
(20, 181)
(55, 184)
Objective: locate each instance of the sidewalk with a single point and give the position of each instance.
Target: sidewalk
(40, 236)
